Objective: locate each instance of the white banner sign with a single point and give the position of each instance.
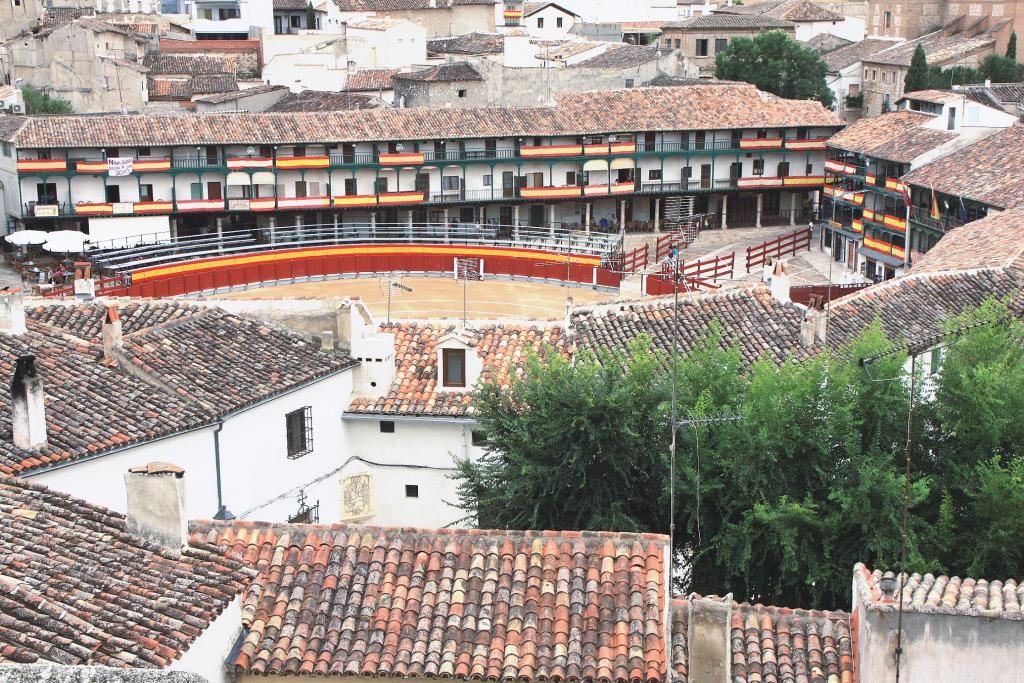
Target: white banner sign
(238, 205)
(123, 207)
(49, 210)
(120, 166)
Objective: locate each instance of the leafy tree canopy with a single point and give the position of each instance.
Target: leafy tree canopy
(38, 102)
(778, 506)
(777, 64)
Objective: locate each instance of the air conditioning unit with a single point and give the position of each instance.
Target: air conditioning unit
(613, 138)
(17, 108)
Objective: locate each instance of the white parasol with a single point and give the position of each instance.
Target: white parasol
(26, 238)
(66, 241)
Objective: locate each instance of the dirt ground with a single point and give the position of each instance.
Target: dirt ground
(442, 297)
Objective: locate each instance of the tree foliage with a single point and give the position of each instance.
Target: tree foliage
(777, 64)
(39, 102)
(778, 506)
(1011, 47)
(917, 75)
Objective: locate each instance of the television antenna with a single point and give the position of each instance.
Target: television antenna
(393, 286)
(468, 268)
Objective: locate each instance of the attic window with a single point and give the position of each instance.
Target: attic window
(454, 361)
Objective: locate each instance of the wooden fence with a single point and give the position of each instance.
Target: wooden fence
(693, 275)
(785, 245)
(803, 294)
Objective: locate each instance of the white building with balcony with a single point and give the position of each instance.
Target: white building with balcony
(231, 19)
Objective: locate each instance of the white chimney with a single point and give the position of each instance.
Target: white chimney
(12, 313)
(807, 329)
(112, 336)
(779, 283)
(28, 406)
(156, 504)
(375, 351)
(708, 637)
(327, 340)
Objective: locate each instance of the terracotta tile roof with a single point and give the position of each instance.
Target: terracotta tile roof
(995, 242)
(696, 107)
(90, 408)
(208, 362)
(750, 318)
(502, 348)
(316, 100)
(916, 306)
(848, 55)
(774, 643)
(77, 588)
(10, 125)
(400, 5)
(942, 594)
(371, 79)
(731, 22)
(168, 89)
(620, 56)
(823, 43)
(53, 17)
(450, 603)
(990, 171)
(1007, 92)
(443, 73)
(788, 10)
(940, 50)
(565, 49)
(933, 96)
(206, 84)
(173, 64)
(534, 7)
(180, 89)
(226, 361)
(897, 136)
(292, 5)
(468, 44)
(221, 97)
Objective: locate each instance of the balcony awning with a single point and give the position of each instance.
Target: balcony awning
(238, 178)
(263, 178)
(622, 163)
(596, 165)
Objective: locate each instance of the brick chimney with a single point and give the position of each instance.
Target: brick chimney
(112, 336)
(156, 504)
(12, 313)
(709, 638)
(28, 406)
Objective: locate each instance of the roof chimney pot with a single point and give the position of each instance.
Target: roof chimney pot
(28, 406)
(327, 340)
(112, 336)
(156, 504)
(12, 313)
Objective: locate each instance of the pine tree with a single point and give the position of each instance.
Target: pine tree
(1011, 47)
(917, 74)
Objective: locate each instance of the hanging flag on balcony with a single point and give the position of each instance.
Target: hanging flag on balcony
(963, 211)
(935, 206)
(120, 166)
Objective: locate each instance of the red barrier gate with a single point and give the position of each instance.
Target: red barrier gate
(694, 275)
(803, 293)
(780, 246)
(636, 260)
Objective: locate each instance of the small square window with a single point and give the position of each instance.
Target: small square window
(654, 174)
(479, 437)
(630, 82)
(412, 491)
(454, 367)
(462, 93)
(144, 152)
(558, 22)
(758, 166)
(387, 426)
(299, 432)
(488, 180)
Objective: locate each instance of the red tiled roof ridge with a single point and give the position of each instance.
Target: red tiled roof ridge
(204, 526)
(756, 290)
(943, 594)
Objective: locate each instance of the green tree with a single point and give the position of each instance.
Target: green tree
(1011, 47)
(310, 17)
(578, 445)
(1002, 69)
(39, 102)
(777, 64)
(917, 75)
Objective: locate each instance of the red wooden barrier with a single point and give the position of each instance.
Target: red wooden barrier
(695, 275)
(802, 294)
(781, 246)
(634, 260)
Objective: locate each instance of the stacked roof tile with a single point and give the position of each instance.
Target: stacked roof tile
(748, 318)
(620, 56)
(221, 97)
(731, 22)
(930, 594)
(206, 363)
(695, 107)
(171, 64)
(939, 49)
(450, 603)
(475, 43)
(502, 348)
(990, 171)
(848, 55)
(898, 136)
(788, 10)
(77, 588)
(371, 79)
(443, 73)
(319, 100)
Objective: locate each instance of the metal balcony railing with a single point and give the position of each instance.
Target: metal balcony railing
(159, 249)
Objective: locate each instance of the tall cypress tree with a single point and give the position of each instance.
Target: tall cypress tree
(917, 74)
(1011, 47)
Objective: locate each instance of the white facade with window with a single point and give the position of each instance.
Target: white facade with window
(551, 22)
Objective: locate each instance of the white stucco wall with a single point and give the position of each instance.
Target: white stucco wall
(206, 656)
(550, 30)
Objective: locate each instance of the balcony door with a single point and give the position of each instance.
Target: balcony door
(705, 176)
(213, 190)
(508, 184)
